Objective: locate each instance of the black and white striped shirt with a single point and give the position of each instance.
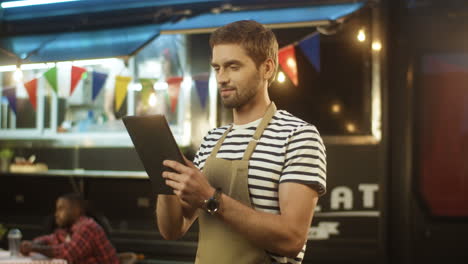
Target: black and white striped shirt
(290, 150)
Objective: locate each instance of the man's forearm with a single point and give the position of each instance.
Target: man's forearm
(43, 249)
(271, 232)
(172, 218)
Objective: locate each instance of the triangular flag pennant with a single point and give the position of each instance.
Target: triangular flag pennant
(51, 77)
(10, 94)
(121, 86)
(146, 89)
(287, 60)
(173, 91)
(201, 85)
(98, 82)
(76, 74)
(311, 49)
(31, 88)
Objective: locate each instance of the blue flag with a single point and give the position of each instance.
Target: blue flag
(98, 82)
(311, 49)
(10, 94)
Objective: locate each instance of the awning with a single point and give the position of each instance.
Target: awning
(284, 17)
(102, 43)
(87, 7)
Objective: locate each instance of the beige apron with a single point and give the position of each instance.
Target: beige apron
(217, 242)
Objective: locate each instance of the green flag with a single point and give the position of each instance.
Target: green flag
(51, 77)
(147, 89)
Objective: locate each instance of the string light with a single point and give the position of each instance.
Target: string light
(377, 46)
(18, 75)
(281, 77)
(336, 108)
(152, 100)
(350, 127)
(291, 62)
(361, 36)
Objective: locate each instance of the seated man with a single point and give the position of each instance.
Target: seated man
(78, 239)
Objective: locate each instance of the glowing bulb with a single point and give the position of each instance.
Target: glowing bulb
(361, 35)
(336, 108)
(152, 100)
(281, 77)
(18, 75)
(376, 46)
(291, 62)
(350, 127)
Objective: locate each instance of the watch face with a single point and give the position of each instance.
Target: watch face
(212, 205)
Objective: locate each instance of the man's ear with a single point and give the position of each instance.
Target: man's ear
(269, 69)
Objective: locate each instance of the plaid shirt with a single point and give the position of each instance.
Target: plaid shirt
(84, 243)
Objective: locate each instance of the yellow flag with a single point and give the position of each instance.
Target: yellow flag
(121, 86)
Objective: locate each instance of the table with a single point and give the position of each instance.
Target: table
(6, 258)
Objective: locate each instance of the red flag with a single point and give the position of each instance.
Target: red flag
(287, 60)
(174, 88)
(31, 88)
(76, 74)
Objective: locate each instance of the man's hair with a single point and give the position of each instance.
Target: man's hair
(76, 200)
(259, 42)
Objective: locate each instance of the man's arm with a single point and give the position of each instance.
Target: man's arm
(282, 234)
(173, 216)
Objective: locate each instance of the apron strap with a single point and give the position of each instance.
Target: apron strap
(258, 133)
(220, 142)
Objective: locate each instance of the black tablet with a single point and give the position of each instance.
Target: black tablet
(154, 142)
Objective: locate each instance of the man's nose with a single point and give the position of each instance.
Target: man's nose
(222, 77)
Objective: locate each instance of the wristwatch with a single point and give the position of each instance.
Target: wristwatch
(211, 205)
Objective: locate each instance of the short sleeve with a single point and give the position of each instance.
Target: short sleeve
(305, 160)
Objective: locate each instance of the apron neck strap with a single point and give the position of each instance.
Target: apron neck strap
(220, 142)
(258, 133)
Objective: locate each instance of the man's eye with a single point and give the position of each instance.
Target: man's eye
(234, 67)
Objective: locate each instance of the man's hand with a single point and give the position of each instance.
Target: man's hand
(26, 247)
(188, 183)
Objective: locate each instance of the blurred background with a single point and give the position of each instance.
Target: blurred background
(384, 81)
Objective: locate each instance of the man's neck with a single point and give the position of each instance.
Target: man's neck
(251, 111)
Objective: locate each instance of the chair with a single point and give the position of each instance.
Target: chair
(127, 257)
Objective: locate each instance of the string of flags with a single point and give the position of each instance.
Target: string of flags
(310, 47)
(120, 91)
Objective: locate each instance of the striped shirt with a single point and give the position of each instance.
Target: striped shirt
(290, 150)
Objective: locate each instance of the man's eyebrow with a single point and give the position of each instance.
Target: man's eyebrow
(227, 63)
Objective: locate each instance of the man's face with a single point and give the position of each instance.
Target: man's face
(238, 78)
(64, 213)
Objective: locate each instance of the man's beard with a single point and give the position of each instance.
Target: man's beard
(241, 97)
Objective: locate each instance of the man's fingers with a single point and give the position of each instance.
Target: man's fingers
(180, 168)
(188, 162)
(174, 185)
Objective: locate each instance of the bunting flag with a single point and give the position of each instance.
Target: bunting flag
(201, 85)
(287, 60)
(98, 82)
(76, 74)
(51, 77)
(173, 91)
(146, 89)
(311, 49)
(121, 86)
(31, 88)
(10, 94)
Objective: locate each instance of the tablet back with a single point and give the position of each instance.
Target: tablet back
(154, 142)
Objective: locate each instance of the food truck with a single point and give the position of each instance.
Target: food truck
(385, 82)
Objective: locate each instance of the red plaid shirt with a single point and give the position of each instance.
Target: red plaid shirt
(84, 243)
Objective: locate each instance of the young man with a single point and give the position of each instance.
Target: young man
(79, 239)
(255, 183)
